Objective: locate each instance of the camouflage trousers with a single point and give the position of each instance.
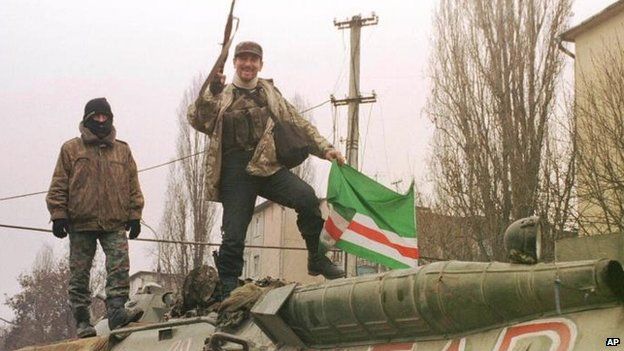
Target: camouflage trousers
(81, 252)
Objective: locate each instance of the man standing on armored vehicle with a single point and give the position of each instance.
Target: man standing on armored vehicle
(243, 161)
(95, 195)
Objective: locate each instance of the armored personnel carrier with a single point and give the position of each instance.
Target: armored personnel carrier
(443, 306)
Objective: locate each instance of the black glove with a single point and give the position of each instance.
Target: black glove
(60, 227)
(217, 84)
(134, 226)
(216, 87)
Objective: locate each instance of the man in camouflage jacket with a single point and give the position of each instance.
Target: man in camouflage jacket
(242, 161)
(95, 195)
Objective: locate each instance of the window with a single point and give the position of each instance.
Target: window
(259, 226)
(256, 265)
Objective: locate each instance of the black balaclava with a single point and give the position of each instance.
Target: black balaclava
(98, 106)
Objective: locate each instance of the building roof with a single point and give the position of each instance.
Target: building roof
(262, 205)
(591, 22)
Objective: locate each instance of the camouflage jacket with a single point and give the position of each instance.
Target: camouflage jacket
(207, 118)
(95, 184)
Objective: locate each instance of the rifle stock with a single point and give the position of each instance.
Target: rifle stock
(228, 37)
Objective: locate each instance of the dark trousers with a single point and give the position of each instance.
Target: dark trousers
(81, 252)
(238, 192)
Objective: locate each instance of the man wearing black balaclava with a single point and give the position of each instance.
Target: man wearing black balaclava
(98, 117)
(95, 196)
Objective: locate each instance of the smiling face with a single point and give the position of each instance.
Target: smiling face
(247, 66)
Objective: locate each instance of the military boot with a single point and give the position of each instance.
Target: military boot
(318, 263)
(84, 329)
(118, 315)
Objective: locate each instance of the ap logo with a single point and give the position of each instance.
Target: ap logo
(612, 342)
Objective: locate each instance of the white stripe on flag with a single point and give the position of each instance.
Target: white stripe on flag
(392, 236)
(340, 222)
(326, 239)
(341, 225)
(381, 249)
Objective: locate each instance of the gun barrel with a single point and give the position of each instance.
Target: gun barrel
(447, 298)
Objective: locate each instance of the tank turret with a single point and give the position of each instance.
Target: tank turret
(452, 306)
(439, 300)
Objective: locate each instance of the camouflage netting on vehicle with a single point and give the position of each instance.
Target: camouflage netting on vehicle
(234, 310)
(199, 292)
(202, 289)
(98, 343)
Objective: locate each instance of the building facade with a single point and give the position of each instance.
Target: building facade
(599, 109)
(273, 225)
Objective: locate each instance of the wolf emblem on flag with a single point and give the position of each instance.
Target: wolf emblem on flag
(370, 221)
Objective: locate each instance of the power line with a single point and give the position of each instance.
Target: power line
(166, 241)
(25, 228)
(23, 195)
(383, 136)
(156, 166)
(314, 107)
(344, 61)
(170, 162)
(139, 171)
(370, 110)
(181, 242)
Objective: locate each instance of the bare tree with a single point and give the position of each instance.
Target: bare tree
(600, 138)
(41, 309)
(173, 258)
(443, 237)
(495, 67)
(187, 215)
(556, 196)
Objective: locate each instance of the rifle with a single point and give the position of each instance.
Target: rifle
(228, 36)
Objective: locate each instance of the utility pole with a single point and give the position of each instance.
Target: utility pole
(354, 100)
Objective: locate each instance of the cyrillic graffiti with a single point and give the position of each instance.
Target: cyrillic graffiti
(561, 332)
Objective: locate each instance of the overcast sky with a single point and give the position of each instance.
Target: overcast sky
(142, 55)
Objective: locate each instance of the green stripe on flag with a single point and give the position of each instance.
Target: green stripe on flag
(350, 191)
(370, 255)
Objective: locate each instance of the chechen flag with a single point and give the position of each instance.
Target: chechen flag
(369, 220)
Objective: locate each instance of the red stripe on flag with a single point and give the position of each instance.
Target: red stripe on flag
(331, 228)
(411, 252)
